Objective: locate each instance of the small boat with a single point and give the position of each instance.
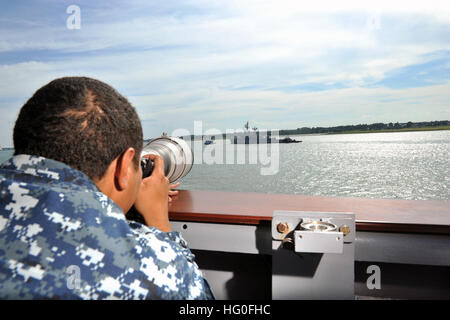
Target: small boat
(288, 140)
(208, 142)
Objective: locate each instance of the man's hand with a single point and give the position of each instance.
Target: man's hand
(173, 193)
(152, 201)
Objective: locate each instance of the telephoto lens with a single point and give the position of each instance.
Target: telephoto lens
(178, 159)
(176, 153)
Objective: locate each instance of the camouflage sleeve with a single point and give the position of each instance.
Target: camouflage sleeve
(174, 270)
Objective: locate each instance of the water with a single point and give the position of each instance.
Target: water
(5, 155)
(400, 165)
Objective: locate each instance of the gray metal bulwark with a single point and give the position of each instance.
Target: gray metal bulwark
(313, 255)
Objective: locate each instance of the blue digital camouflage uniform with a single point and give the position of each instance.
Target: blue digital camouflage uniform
(62, 238)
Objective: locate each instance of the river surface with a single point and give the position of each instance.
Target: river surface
(398, 165)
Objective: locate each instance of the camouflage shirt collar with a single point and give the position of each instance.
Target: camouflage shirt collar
(49, 170)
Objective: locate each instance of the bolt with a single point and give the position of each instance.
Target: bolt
(282, 227)
(345, 230)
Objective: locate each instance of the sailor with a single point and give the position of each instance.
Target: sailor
(63, 195)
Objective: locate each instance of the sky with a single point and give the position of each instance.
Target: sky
(279, 64)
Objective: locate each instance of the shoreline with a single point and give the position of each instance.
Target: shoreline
(441, 128)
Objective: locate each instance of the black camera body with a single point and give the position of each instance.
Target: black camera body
(147, 166)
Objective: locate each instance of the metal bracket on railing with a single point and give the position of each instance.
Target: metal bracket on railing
(313, 255)
(314, 232)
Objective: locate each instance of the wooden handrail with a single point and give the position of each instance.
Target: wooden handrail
(383, 215)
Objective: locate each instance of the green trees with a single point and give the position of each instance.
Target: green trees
(365, 127)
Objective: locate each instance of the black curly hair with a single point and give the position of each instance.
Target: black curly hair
(79, 121)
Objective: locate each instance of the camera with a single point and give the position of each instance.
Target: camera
(176, 153)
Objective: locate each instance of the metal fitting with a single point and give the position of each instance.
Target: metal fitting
(345, 230)
(283, 227)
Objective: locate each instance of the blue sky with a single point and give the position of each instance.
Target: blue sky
(280, 64)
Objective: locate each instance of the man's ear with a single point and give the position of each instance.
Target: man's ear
(122, 174)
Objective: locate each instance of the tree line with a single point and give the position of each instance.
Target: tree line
(366, 127)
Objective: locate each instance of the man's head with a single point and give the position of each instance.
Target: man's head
(87, 125)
